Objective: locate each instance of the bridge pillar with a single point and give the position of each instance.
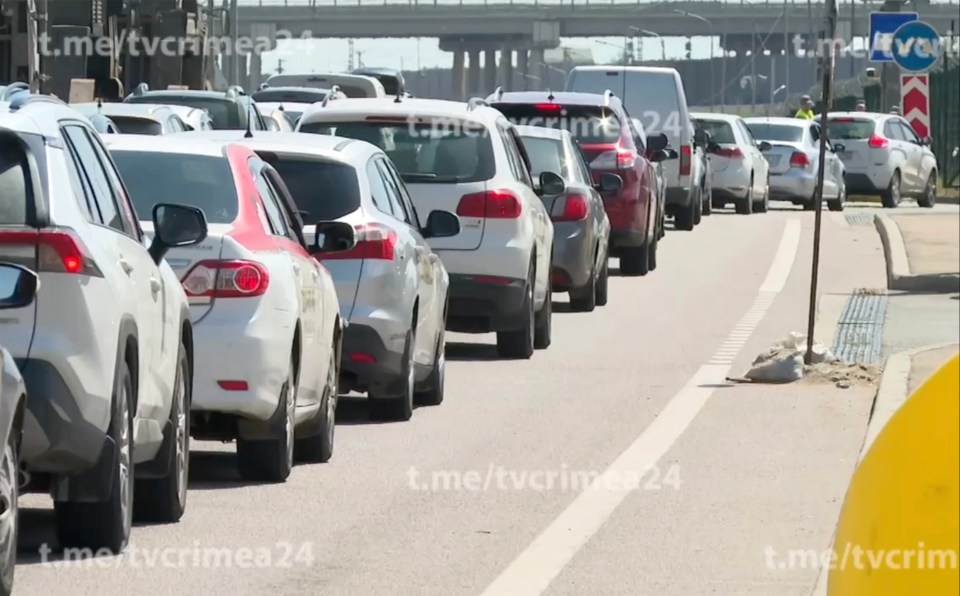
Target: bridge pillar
(538, 66)
(523, 65)
(506, 67)
(490, 69)
(458, 79)
(473, 82)
(256, 72)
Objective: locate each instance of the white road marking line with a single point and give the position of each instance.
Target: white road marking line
(531, 573)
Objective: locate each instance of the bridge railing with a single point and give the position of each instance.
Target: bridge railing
(568, 3)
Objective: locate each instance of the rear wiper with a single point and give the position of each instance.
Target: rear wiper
(427, 177)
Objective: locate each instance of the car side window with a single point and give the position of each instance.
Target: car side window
(175, 124)
(97, 179)
(290, 220)
(80, 184)
(405, 201)
(127, 212)
(815, 134)
(271, 204)
(511, 155)
(378, 188)
(524, 160)
(908, 132)
(892, 131)
(745, 131)
(393, 193)
(635, 134)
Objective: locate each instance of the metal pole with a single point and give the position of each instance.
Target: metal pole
(753, 70)
(787, 50)
(235, 39)
(723, 73)
(713, 72)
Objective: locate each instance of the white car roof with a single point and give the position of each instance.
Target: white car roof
(543, 133)
(652, 69)
(798, 122)
(328, 146)
(163, 144)
(714, 116)
(270, 106)
(38, 115)
(388, 106)
(147, 111)
(866, 115)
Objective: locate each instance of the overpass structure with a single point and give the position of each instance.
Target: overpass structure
(521, 29)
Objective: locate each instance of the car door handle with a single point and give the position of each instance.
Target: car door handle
(127, 267)
(155, 285)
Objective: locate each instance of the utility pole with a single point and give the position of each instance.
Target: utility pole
(350, 55)
(235, 38)
(753, 69)
(788, 49)
(723, 73)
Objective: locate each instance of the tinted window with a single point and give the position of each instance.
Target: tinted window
(546, 155)
(763, 131)
(96, 176)
(850, 129)
(908, 132)
(14, 185)
(378, 188)
(720, 132)
(225, 114)
(439, 152)
(587, 124)
(289, 95)
(137, 126)
(324, 191)
(650, 97)
(393, 192)
(200, 181)
(271, 203)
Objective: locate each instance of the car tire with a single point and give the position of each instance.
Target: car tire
(398, 408)
(635, 260)
(745, 205)
(106, 524)
(838, 203)
(318, 448)
(585, 299)
(929, 197)
(764, 204)
(716, 204)
(9, 519)
(432, 394)
(698, 208)
(603, 282)
(518, 344)
(652, 247)
(271, 460)
(163, 500)
(685, 218)
(891, 196)
(707, 202)
(543, 327)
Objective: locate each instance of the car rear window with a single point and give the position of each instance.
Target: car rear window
(441, 152)
(286, 95)
(849, 129)
(720, 131)
(784, 133)
(14, 187)
(649, 96)
(546, 155)
(322, 190)
(137, 126)
(588, 124)
(225, 114)
(200, 181)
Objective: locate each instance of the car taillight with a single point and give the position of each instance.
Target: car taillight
(548, 107)
(617, 159)
(731, 152)
(492, 204)
(59, 250)
(226, 279)
(877, 142)
(799, 160)
(374, 241)
(574, 208)
(686, 159)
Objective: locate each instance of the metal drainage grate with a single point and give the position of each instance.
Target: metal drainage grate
(860, 219)
(860, 330)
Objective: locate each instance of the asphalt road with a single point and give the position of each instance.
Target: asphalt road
(709, 484)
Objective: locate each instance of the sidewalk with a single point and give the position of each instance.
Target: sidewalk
(922, 251)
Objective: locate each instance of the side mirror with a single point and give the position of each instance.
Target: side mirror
(333, 236)
(657, 142)
(551, 184)
(765, 146)
(838, 148)
(926, 141)
(610, 183)
(701, 137)
(713, 148)
(659, 155)
(18, 286)
(672, 154)
(174, 226)
(441, 224)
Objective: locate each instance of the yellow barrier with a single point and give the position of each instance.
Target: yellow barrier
(899, 530)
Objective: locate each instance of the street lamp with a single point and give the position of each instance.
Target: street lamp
(712, 32)
(773, 97)
(637, 43)
(663, 44)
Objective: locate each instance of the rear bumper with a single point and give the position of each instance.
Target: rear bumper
(678, 196)
(573, 256)
(792, 186)
(479, 307)
(367, 362)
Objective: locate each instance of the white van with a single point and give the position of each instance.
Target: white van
(655, 96)
(351, 85)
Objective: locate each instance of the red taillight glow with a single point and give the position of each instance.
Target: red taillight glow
(616, 159)
(841, 120)
(877, 142)
(731, 152)
(388, 119)
(496, 281)
(492, 204)
(59, 250)
(374, 241)
(799, 160)
(575, 208)
(361, 358)
(233, 385)
(686, 159)
(226, 279)
(548, 107)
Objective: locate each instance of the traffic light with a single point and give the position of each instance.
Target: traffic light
(688, 48)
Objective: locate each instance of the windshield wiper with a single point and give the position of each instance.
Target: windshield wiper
(427, 177)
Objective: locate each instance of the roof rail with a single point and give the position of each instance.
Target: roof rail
(12, 89)
(497, 94)
(140, 90)
(476, 102)
(263, 86)
(234, 91)
(607, 96)
(21, 99)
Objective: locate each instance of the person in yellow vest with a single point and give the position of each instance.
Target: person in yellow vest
(806, 108)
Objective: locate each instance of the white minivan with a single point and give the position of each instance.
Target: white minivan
(655, 96)
(350, 84)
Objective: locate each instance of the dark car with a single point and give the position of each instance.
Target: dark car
(390, 78)
(605, 133)
(229, 110)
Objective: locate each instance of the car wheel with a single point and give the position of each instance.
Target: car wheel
(716, 204)
(518, 344)
(745, 205)
(398, 408)
(432, 394)
(685, 218)
(585, 299)
(764, 203)
(698, 208)
(838, 203)
(318, 447)
(707, 202)
(603, 283)
(165, 499)
(929, 197)
(635, 260)
(543, 329)
(9, 519)
(271, 460)
(652, 246)
(106, 524)
(891, 196)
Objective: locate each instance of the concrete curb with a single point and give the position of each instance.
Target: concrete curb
(891, 394)
(898, 266)
(876, 200)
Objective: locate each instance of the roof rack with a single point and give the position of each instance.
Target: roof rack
(23, 98)
(497, 94)
(332, 95)
(476, 102)
(234, 91)
(607, 96)
(140, 90)
(12, 89)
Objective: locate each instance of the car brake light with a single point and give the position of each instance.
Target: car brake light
(232, 385)
(617, 159)
(226, 279)
(799, 160)
(548, 107)
(492, 204)
(841, 120)
(731, 152)
(374, 241)
(877, 142)
(59, 250)
(574, 208)
(686, 161)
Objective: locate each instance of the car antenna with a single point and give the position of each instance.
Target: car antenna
(99, 105)
(550, 96)
(399, 95)
(249, 133)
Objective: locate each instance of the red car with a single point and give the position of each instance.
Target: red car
(610, 144)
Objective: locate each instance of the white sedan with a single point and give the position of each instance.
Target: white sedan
(740, 174)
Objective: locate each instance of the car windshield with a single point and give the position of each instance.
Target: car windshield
(720, 131)
(131, 125)
(588, 124)
(201, 181)
(649, 96)
(546, 155)
(785, 133)
(288, 95)
(441, 151)
(850, 129)
(322, 190)
(225, 114)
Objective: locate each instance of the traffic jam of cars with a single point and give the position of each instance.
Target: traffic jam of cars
(225, 266)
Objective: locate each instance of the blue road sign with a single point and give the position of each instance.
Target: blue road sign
(916, 46)
(882, 27)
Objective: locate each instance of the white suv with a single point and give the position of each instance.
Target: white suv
(106, 350)
(499, 263)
